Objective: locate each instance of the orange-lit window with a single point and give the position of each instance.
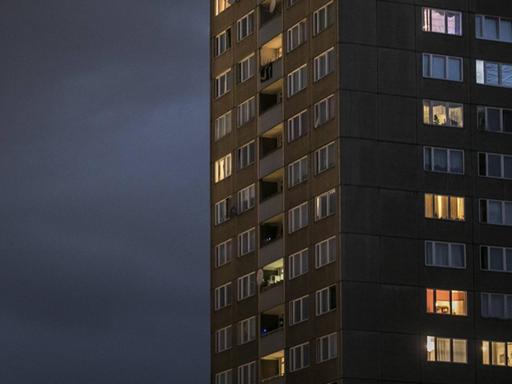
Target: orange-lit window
(444, 207)
(447, 302)
(498, 353)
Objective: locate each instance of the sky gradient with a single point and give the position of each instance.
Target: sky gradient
(104, 192)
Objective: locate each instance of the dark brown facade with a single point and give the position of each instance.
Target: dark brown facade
(403, 207)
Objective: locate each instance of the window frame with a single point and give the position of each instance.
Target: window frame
(224, 339)
(330, 109)
(450, 258)
(448, 105)
(246, 286)
(431, 308)
(324, 64)
(488, 255)
(502, 157)
(298, 166)
(330, 198)
(304, 310)
(503, 204)
(246, 198)
(223, 168)
(244, 337)
(319, 311)
(300, 29)
(483, 112)
(446, 12)
(446, 59)
(481, 73)
(226, 37)
(224, 291)
(451, 346)
(227, 245)
(246, 155)
(248, 235)
(449, 152)
(300, 119)
(250, 20)
(305, 358)
(322, 22)
(223, 125)
(302, 222)
(297, 80)
(449, 202)
(223, 83)
(480, 26)
(332, 347)
(303, 267)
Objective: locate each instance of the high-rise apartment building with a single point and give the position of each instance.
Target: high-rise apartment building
(361, 194)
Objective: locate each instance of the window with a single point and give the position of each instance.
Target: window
(324, 111)
(245, 26)
(496, 259)
(498, 353)
(246, 154)
(299, 310)
(247, 330)
(297, 80)
(296, 35)
(325, 252)
(495, 165)
(496, 306)
(223, 83)
(494, 74)
(443, 160)
(222, 296)
(325, 300)
(223, 339)
(493, 28)
(323, 18)
(325, 205)
(323, 64)
(443, 207)
(442, 67)
(223, 168)
(223, 253)
(221, 5)
(298, 217)
(298, 263)
(445, 350)
(246, 111)
(247, 373)
(297, 126)
(327, 347)
(247, 242)
(443, 113)
(447, 302)
(496, 212)
(225, 377)
(222, 211)
(246, 198)
(246, 286)
(247, 68)
(442, 21)
(495, 119)
(299, 357)
(325, 158)
(298, 172)
(223, 125)
(222, 42)
(445, 255)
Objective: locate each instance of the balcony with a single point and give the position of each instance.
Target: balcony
(272, 297)
(271, 163)
(273, 368)
(273, 274)
(271, 207)
(271, 21)
(271, 252)
(271, 108)
(271, 72)
(271, 64)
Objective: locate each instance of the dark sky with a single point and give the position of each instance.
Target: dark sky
(104, 191)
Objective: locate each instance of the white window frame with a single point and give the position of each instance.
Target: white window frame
(434, 199)
(450, 245)
(296, 36)
(323, 64)
(297, 126)
(481, 73)
(246, 111)
(304, 354)
(428, 74)
(322, 19)
(331, 342)
(432, 346)
(503, 158)
(298, 172)
(480, 28)
(224, 339)
(503, 204)
(246, 155)
(325, 158)
(325, 252)
(296, 223)
(298, 264)
(223, 42)
(222, 211)
(323, 300)
(247, 68)
(430, 104)
(297, 80)
(223, 125)
(223, 294)
(245, 26)
(328, 201)
(330, 108)
(223, 168)
(427, 21)
(221, 6)
(485, 111)
(506, 261)
(223, 253)
(303, 308)
(247, 242)
(246, 198)
(223, 83)
(430, 151)
(486, 299)
(247, 373)
(246, 286)
(247, 330)
(224, 377)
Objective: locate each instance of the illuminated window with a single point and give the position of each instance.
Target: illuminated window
(442, 21)
(442, 67)
(247, 373)
(323, 64)
(297, 126)
(223, 296)
(223, 83)
(327, 347)
(446, 350)
(223, 211)
(495, 165)
(297, 80)
(325, 252)
(246, 286)
(447, 302)
(323, 18)
(245, 26)
(497, 212)
(298, 217)
(299, 310)
(246, 111)
(225, 377)
(498, 353)
(298, 263)
(223, 339)
(247, 242)
(325, 158)
(493, 28)
(325, 205)
(223, 168)
(496, 306)
(496, 259)
(246, 155)
(325, 300)
(222, 42)
(296, 36)
(246, 198)
(221, 5)
(494, 74)
(223, 125)
(443, 160)
(443, 113)
(445, 255)
(223, 253)
(324, 111)
(491, 119)
(247, 68)
(298, 172)
(443, 207)
(299, 357)
(247, 330)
